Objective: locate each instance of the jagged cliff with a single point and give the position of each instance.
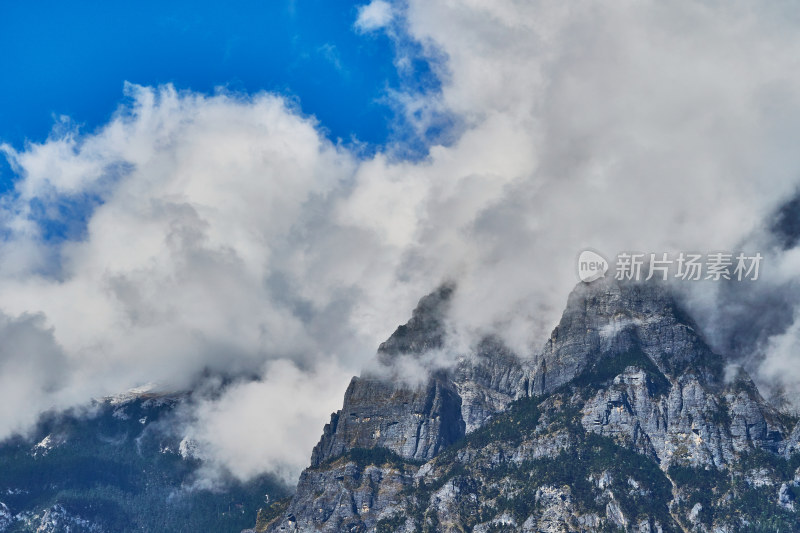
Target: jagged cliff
(622, 421)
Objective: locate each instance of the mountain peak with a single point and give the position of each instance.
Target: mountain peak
(608, 317)
(616, 423)
(425, 330)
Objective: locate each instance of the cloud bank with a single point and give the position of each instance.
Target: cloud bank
(226, 234)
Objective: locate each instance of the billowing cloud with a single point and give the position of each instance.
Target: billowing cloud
(267, 422)
(225, 233)
(210, 244)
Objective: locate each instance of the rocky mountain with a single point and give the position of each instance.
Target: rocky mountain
(623, 421)
(120, 466)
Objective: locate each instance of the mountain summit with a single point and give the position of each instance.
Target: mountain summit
(623, 421)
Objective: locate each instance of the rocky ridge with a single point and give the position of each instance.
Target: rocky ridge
(622, 421)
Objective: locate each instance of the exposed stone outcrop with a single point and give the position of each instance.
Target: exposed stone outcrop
(414, 422)
(690, 424)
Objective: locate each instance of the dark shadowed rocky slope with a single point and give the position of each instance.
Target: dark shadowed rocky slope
(120, 467)
(622, 422)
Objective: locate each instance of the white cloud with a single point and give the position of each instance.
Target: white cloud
(780, 368)
(213, 247)
(33, 372)
(373, 16)
(269, 422)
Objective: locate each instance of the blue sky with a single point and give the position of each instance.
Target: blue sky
(72, 59)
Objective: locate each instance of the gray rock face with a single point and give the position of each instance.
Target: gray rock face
(624, 391)
(608, 318)
(792, 444)
(415, 423)
(346, 497)
(786, 498)
(424, 331)
(689, 425)
(488, 381)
